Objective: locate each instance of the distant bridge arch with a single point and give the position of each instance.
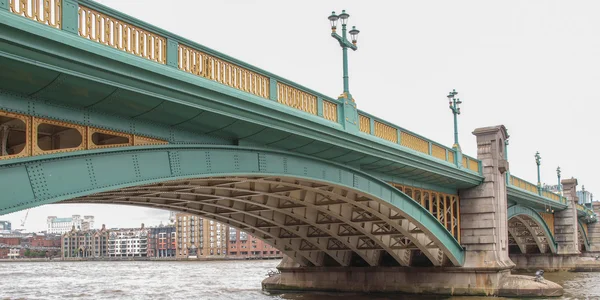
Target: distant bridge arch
(316, 212)
(527, 229)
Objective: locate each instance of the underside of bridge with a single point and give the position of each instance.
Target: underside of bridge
(529, 231)
(316, 224)
(317, 212)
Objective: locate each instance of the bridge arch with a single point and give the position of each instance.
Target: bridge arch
(584, 243)
(313, 210)
(527, 228)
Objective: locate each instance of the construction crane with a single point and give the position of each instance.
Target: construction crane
(24, 219)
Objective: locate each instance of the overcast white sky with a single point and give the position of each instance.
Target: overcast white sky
(533, 66)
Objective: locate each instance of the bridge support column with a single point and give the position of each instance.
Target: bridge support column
(594, 230)
(483, 209)
(565, 222)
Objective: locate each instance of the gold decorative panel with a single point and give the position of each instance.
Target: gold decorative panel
(451, 156)
(330, 111)
(296, 98)
(438, 152)
(120, 35)
(26, 148)
(45, 136)
(473, 165)
(44, 11)
(549, 219)
(386, 132)
(445, 207)
(416, 143)
(213, 68)
(364, 124)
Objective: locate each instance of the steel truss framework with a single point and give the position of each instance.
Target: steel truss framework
(445, 207)
(305, 219)
(528, 230)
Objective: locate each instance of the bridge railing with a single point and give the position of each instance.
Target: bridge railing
(112, 28)
(374, 126)
(533, 188)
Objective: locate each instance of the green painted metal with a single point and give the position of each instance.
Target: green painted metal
(172, 53)
(517, 210)
(454, 107)
(273, 89)
(537, 162)
(33, 181)
(154, 81)
(4, 4)
(532, 200)
(319, 106)
(558, 176)
(586, 242)
(70, 16)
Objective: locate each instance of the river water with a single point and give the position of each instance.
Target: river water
(193, 280)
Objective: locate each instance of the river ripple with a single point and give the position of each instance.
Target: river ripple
(192, 280)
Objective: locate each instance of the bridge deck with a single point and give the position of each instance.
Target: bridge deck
(185, 86)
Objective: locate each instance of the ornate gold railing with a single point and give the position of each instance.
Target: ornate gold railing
(121, 35)
(549, 219)
(213, 68)
(438, 152)
(416, 143)
(296, 98)
(386, 132)
(551, 195)
(44, 11)
(364, 124)
(524, 185)
(450, 156)
(445, 207)
(470, 163)
(330, 111)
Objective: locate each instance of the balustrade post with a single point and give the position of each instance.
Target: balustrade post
(320, 107)
(372, 126)
(4, 4)
(70, 16)
(273, 89)
(172, 53)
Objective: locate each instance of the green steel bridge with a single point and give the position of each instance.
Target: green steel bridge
(99, 107)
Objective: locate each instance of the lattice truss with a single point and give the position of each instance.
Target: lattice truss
(445, 207)
(306, 220)
(527, 234)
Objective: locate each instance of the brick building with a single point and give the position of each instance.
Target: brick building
(162, 241)
(198, 237)
(243, 245)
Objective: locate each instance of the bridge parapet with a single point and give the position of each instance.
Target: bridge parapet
(100, 24)
(534, 189)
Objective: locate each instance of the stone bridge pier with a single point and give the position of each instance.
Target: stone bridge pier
(484, 226)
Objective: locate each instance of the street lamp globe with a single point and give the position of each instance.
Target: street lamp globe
(333, 19)
(344, 17)
(354, 34)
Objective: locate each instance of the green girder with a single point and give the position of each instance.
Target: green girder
(34, 181)
(517, 210)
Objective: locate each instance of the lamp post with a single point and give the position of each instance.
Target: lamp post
(344, 43)
(558, 175)
(454, 104)
(583, 194)
(537, 162)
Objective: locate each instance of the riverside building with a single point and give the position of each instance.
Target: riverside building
(129, 242)
(198, 237)
(61, 225)
(85, 243)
